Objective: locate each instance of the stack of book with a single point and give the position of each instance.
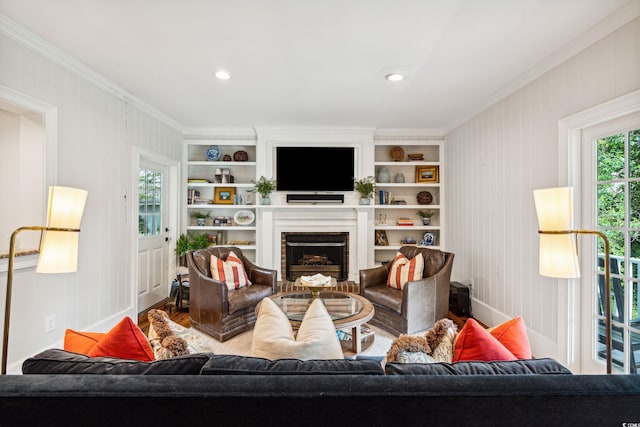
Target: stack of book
(192, 195)
(384, 197)
(404, 221)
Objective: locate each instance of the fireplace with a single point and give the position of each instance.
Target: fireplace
(308, 253)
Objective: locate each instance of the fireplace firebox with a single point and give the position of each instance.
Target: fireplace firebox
(308, 253)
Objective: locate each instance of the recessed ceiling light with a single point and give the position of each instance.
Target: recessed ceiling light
(394, 77)
(222, 75)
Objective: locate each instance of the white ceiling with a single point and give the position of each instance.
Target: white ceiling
(312, 62)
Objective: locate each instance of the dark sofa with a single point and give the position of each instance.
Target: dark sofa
(234, 390)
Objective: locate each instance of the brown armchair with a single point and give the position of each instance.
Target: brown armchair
(420, 304)
(216, 310)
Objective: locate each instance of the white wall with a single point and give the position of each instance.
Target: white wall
(496, 160)
(21, 143)
(97, 129)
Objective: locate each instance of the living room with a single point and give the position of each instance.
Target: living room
(496, 152)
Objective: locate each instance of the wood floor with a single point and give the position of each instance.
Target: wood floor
(181, 317)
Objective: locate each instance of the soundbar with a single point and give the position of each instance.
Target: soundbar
(315, 198)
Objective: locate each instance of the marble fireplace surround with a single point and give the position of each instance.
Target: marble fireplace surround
(278, 219)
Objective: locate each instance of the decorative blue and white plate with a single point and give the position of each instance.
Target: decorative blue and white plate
(429, 239)
(213, 153)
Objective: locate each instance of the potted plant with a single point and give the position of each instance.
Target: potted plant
(186, 243)
(426, 217)
(265, 187)
(200, 217)
(365, 186)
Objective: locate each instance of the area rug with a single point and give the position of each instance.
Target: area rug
(240, 345)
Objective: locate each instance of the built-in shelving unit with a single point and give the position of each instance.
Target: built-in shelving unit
(402, 202)
(261, 239)
(220, 188)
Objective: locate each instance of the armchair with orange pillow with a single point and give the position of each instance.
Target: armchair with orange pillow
(410, 293)
(225, 288)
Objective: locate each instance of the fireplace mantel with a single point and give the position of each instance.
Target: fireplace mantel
(357, 220)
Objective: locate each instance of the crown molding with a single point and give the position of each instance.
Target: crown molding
(608, 25)
(404, 133)
(219, 133)
(37, 44)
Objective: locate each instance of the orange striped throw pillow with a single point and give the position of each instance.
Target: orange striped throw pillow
(405, 270)
(230, 271)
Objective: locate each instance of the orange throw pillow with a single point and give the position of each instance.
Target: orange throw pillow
(124, 341)
(475, 343)
(513, 335)
(81, 342)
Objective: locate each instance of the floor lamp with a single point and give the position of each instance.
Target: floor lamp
(558, 249)
(58, 244)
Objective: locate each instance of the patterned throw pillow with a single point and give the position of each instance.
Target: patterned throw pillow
(405, 270)
(230, 271)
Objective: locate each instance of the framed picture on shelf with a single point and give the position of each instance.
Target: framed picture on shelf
(427, 174)
(381, 238)
(224, 195)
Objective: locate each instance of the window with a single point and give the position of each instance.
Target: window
(150, 199)
(616, 189)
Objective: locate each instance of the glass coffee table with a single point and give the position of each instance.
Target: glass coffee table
(348, 311)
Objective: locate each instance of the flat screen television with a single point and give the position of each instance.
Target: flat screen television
(315, 168)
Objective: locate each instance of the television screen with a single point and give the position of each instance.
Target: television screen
(314, 168)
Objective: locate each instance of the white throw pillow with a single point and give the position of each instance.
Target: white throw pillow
(273, 335)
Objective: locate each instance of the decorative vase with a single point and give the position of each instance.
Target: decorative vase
(426, 221)
(383, 175)
(399, 178)
(365, 201)
(200, 222)
(265, 200)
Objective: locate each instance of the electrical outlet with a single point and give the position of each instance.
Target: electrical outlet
(50, 323)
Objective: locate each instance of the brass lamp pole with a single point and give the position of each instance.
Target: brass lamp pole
(58, 245)
(7, 305)
(607, 286)
(558, 250)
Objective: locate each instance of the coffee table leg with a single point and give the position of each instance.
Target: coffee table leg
(356, 340)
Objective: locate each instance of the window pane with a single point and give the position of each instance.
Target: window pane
(611, 205)
(616, 249)
(617, 343)
(611, 158)
(634, 204)
(635, 302)
(634, 256)
(634, 153)
(635, 353)
(149, 201)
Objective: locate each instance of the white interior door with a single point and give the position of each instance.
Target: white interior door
(153, 233)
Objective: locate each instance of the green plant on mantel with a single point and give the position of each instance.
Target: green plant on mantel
(365, 186)
(264, 186)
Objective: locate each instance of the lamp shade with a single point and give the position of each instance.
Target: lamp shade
(558, 256)
(66, 206)
(59, 249)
